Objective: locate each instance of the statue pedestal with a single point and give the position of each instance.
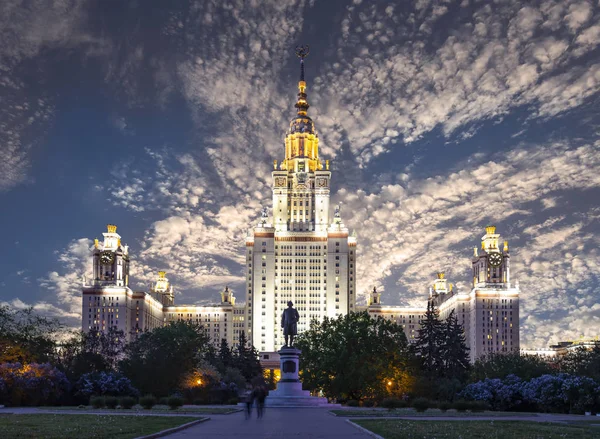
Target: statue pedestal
(289, 391)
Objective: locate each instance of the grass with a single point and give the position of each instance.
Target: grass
(379, 413)
(400, 429)
(156, 409)
(59, 426)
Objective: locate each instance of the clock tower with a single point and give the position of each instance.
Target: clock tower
(111, 260)
(493, 324)
(491, 266)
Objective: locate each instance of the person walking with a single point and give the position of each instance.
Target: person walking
(249, 399)
(261, 395)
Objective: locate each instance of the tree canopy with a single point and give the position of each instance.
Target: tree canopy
(157, 361)
(354, 356)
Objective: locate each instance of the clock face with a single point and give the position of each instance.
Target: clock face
(106, 258)
(495, 259)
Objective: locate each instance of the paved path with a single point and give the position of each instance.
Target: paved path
(277, 423)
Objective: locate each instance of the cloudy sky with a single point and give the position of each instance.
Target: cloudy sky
(439, 118)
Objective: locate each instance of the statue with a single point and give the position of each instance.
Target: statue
(289, 323)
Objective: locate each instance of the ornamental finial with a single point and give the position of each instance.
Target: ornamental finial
(302, 52)
(302, 103)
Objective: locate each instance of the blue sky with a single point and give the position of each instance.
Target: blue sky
(439, 118)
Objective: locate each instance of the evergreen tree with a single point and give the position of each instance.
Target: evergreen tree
(225, 356)
(454, 350)
(429, 342)
(246, 359)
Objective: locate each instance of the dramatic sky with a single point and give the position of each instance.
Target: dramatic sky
(439, 118)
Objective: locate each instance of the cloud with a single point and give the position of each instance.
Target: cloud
(27, 29)
(393, 83)
(66, 284)
(411, 230)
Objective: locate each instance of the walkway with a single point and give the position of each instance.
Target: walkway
(277, 423)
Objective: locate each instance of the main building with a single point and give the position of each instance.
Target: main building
(301, 253)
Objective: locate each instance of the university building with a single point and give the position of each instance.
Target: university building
(301, 253)
(108, 301)
(488, 312)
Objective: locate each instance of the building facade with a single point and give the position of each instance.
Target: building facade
(108, 302)
(301, 254)
(488, 312)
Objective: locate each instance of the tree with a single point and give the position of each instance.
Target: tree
(502, 364)
(429, 343)
(454, 351)
(26, 337)
(158, 361)
(355, 356)
(582, 362)
(95, 351)
(246, 359)
(225, 356)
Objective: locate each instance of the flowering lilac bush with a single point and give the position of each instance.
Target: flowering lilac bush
(31, 384)
(562, 392)
(105, 383)
(553, 393)
(499, 394)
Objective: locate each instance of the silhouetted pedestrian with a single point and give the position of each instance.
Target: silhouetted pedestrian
(249, 399)
(260, 394)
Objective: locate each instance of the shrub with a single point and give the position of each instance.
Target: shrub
(444, 406)
(196, 402)
(421, 404)
(233, 401)
(105, 383)
(175, 402)
(352, 403)
(393, 403)
(163, 401)
(479, 406)
(31, 384)
(97, 402)
(127, 402)
(461, 405)
(148, 401)
(111, 402)
(369, 403)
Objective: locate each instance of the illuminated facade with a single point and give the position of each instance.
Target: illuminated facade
(489, 312)
(109, 302)
(301, 254)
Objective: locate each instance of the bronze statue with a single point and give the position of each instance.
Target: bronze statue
(289, 323)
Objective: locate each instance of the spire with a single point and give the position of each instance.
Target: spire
(302, 104)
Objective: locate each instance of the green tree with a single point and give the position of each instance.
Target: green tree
(582, 362)
(27, 337)
(502, 364)
(355, 356)
(246, 359)
(429, 343)
(158, 361)
(225, 356)
(95, 351)
(454, 351)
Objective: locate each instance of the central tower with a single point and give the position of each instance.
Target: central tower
(299, 254)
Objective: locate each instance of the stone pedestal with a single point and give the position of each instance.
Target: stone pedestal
(289, 391)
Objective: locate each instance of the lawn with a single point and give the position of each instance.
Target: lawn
(55, 426)
(400, 429)
(374, 413)
(156, 409)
